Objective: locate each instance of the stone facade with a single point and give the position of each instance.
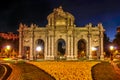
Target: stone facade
(61, 27)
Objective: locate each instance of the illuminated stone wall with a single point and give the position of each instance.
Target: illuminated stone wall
(61, 26)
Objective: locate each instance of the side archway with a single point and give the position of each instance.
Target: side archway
(39, 49)
(81, 48)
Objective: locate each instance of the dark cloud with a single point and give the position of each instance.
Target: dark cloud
(27, 11)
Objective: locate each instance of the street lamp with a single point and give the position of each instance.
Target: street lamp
(111, 54)
(8, 48)
(38, 49)
(94, 48)
(111, 48)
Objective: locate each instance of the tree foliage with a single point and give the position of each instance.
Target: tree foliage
(106, 43)
(116, 41)
(13, 43)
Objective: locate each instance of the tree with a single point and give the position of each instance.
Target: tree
(13, 42)
(116, 41)
(106, 43)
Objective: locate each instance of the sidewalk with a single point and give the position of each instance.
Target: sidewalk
(117, 70)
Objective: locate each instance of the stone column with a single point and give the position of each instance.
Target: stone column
(87, 52)
(32, 46)
(71, 39)
(46, 48)
(75, 48)
(52, 46)
(49, 46)
(89, 47)
(101, 30)
(68, 47)
(66, 51)
(20, 44)
(35, 52)
(101, 47)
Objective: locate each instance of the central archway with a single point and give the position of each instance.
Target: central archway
(81, 48)
(61, 48)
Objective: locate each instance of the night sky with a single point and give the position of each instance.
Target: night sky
(13, 12)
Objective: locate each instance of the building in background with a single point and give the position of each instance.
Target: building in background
(9, 35)
(61, 39)
(9, 44)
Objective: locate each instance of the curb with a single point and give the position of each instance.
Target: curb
(16, 73)
(4, 72)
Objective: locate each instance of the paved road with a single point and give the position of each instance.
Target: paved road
(31, 72)
(7, 72)
(24, 71)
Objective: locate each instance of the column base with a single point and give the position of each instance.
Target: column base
(75, 58)
(19, 57)
(90, 57)
(101, 57)
(49, 58)
(31, 58)
(71, 58)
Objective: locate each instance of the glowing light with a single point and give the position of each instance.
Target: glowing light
(111, 47)
(94, 48)
(38, 48)
(8, 47)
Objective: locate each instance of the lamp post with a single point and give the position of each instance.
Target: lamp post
(111, 52)
(8, 47)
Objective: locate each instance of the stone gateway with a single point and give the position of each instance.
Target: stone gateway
(61, 39)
